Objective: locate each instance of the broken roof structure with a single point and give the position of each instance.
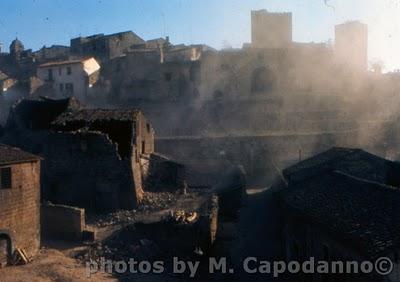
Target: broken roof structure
(92, 155)
(40, 113)
(93, 115)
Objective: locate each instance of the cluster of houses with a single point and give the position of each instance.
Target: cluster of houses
(340, 204)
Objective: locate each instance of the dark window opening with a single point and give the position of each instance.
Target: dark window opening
(5, 175)
(120, 133)
(143, 147)
(69, 88)
(262, 80)
(59, 71)
(168, 76)
(148, 127)
(5, 248)
(61, 87)
(50, 75)
(69, 70)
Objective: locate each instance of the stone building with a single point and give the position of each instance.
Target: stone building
(341, 205)
(54, 52)
(70, 78)
(92, 156)
(351, 45)
(19, 202)
(104, 47)
(168, 73)
(271, 30)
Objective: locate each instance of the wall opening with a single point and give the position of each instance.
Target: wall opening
(262, 80)
(6, 247)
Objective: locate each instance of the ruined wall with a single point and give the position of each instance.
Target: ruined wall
(144, 136)
(81, 169)
(258, 154)
(20, 207)
(72, 219)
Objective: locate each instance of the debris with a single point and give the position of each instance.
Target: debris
(20, 257)
(182, 216)
(198, 251)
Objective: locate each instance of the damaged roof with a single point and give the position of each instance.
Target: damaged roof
(362, 212)
(91, 115)
(39, 113)
(12, 155)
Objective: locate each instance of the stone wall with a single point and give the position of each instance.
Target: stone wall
(72, 219)
(20, 207)
(259, 155)
(81, 169)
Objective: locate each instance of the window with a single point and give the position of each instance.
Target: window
(69, 71)
(5, 175)
(69, 88)
(262, 80)
(61, 87)
(168, 76)
(50, 75)
(143, 147)
(148, 127)
(59, 71)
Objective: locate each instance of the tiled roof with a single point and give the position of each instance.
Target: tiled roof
(355, 162)
(11, 155)
(91, 115)
(364, 213)
(60, 63)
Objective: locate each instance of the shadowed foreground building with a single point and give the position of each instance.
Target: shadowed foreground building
(19, 202)
(342, 205)
(92, 156)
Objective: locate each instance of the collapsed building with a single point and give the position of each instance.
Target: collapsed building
(92, 156)
(19, 202)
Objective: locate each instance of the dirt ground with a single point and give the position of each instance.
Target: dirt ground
(255, 225)
(51, 265)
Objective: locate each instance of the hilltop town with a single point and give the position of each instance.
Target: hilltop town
(121, 147)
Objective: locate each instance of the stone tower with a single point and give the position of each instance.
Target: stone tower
(271, 30)
(351, 45)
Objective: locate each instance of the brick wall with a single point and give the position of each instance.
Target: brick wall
(20, 207)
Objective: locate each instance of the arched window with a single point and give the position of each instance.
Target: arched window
(262, 80)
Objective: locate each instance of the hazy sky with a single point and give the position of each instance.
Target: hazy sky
(219, 23)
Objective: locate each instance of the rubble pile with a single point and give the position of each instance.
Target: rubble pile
(122, 247)
(157, 201)
(152, 202)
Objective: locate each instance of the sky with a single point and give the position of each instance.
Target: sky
(218, 23)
